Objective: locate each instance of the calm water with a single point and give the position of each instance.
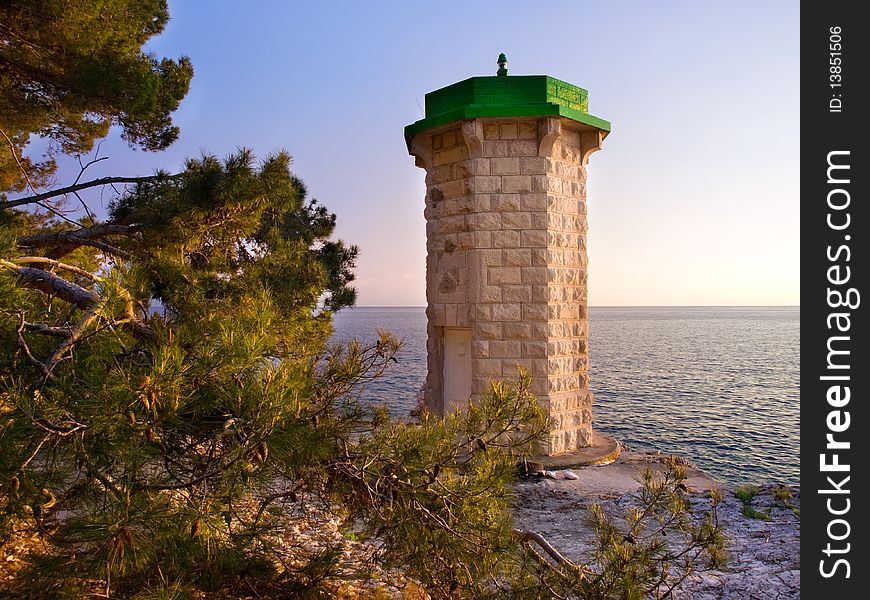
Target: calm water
(718, 385)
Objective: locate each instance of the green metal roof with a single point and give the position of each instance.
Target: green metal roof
(506, 96)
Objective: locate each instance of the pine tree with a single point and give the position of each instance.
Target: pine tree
(69, 69)
(167, 353)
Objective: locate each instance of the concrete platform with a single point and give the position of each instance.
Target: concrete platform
(604, 450)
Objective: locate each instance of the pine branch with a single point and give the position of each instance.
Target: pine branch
(89, 233)
(48, 283)
(532, 536)
(75, 333)
(22, 344)
(43, 329)
(38, 198)
(65, 242)
(186, 484)
(26, 260)
(62, 429)
(106, 480)
(33, 454)
(74, 294)
(139, 328)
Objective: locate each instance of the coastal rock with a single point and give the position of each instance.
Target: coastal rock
(764, 555)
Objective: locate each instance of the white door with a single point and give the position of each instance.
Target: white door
(457, 368)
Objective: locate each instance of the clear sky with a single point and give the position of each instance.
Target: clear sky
(692, 201)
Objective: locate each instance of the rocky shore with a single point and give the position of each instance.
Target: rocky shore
(764, 550)
(764, 557)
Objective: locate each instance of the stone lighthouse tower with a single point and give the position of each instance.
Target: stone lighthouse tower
(505, 161)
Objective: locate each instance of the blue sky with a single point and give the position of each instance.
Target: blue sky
(692, 201)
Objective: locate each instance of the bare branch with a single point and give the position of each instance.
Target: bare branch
(75, 333)
(57, 264)
(24, 348)
(85, 206)
(67, 241)
(33, 454)
(43, 240)
(88, 164)
(37, 198)
(545, 545)
(62, 429)
(43, 329)
(49, 283)
(84, 167)
(75, 241)
(265, 502)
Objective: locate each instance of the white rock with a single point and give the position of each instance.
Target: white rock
(569, 474)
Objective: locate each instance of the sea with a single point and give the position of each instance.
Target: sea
(718, 385)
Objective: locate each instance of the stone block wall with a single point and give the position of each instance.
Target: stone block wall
(506, 258)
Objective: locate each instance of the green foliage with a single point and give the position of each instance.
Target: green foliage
(70, 69)
(643, 552)
(752, 513)
(782, 496)
(746, 494)
(437, 494)
(659, 543)
(173, 370)
(782, 493)
(165, 592)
